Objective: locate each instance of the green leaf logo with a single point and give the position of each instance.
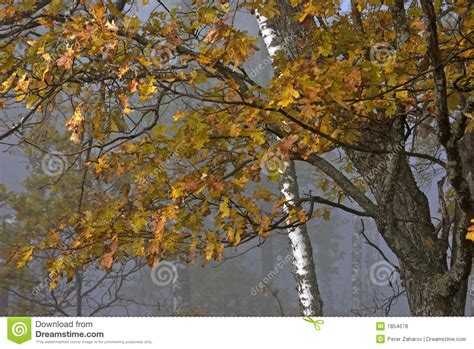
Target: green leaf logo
(316, 323)
(19, 329)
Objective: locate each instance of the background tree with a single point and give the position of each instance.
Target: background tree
(51, 193)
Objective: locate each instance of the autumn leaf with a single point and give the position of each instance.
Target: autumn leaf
(108, 257)
(288, 96)
(133, 85)
(25, 255)
(470, 231)
(224, 207)
(417, 24)
(7, 84)
(111, 26)
(75, 125)
(66, 59)
(179, 115)
(147, 87)
(124, 100)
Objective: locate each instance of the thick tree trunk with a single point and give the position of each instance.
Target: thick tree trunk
(402, 212)
(425, 299)
(405, 224)
(467, 157)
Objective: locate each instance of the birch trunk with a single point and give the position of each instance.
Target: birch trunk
(182, 290)
(356, 268)
(300, 243)
(304, 269)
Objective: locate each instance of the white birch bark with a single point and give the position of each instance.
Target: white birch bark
(300, 243)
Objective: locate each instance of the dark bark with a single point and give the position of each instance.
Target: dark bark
(425, 299)
(4, 299)
(404, 221)
(402, 212)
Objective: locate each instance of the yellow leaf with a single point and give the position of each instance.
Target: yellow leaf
(179, 115)
(7, 84)
(470, 231)
(470, 235)
(46, 56)
(31, 100)
(148, 88)
(224, 207)
(75, 125)
(288, 96)
(402, 94)
(122, 70)
(26, 255)
(176, 193)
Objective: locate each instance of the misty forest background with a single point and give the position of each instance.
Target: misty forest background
(345, 259)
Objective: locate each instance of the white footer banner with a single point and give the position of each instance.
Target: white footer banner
(235, 332)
